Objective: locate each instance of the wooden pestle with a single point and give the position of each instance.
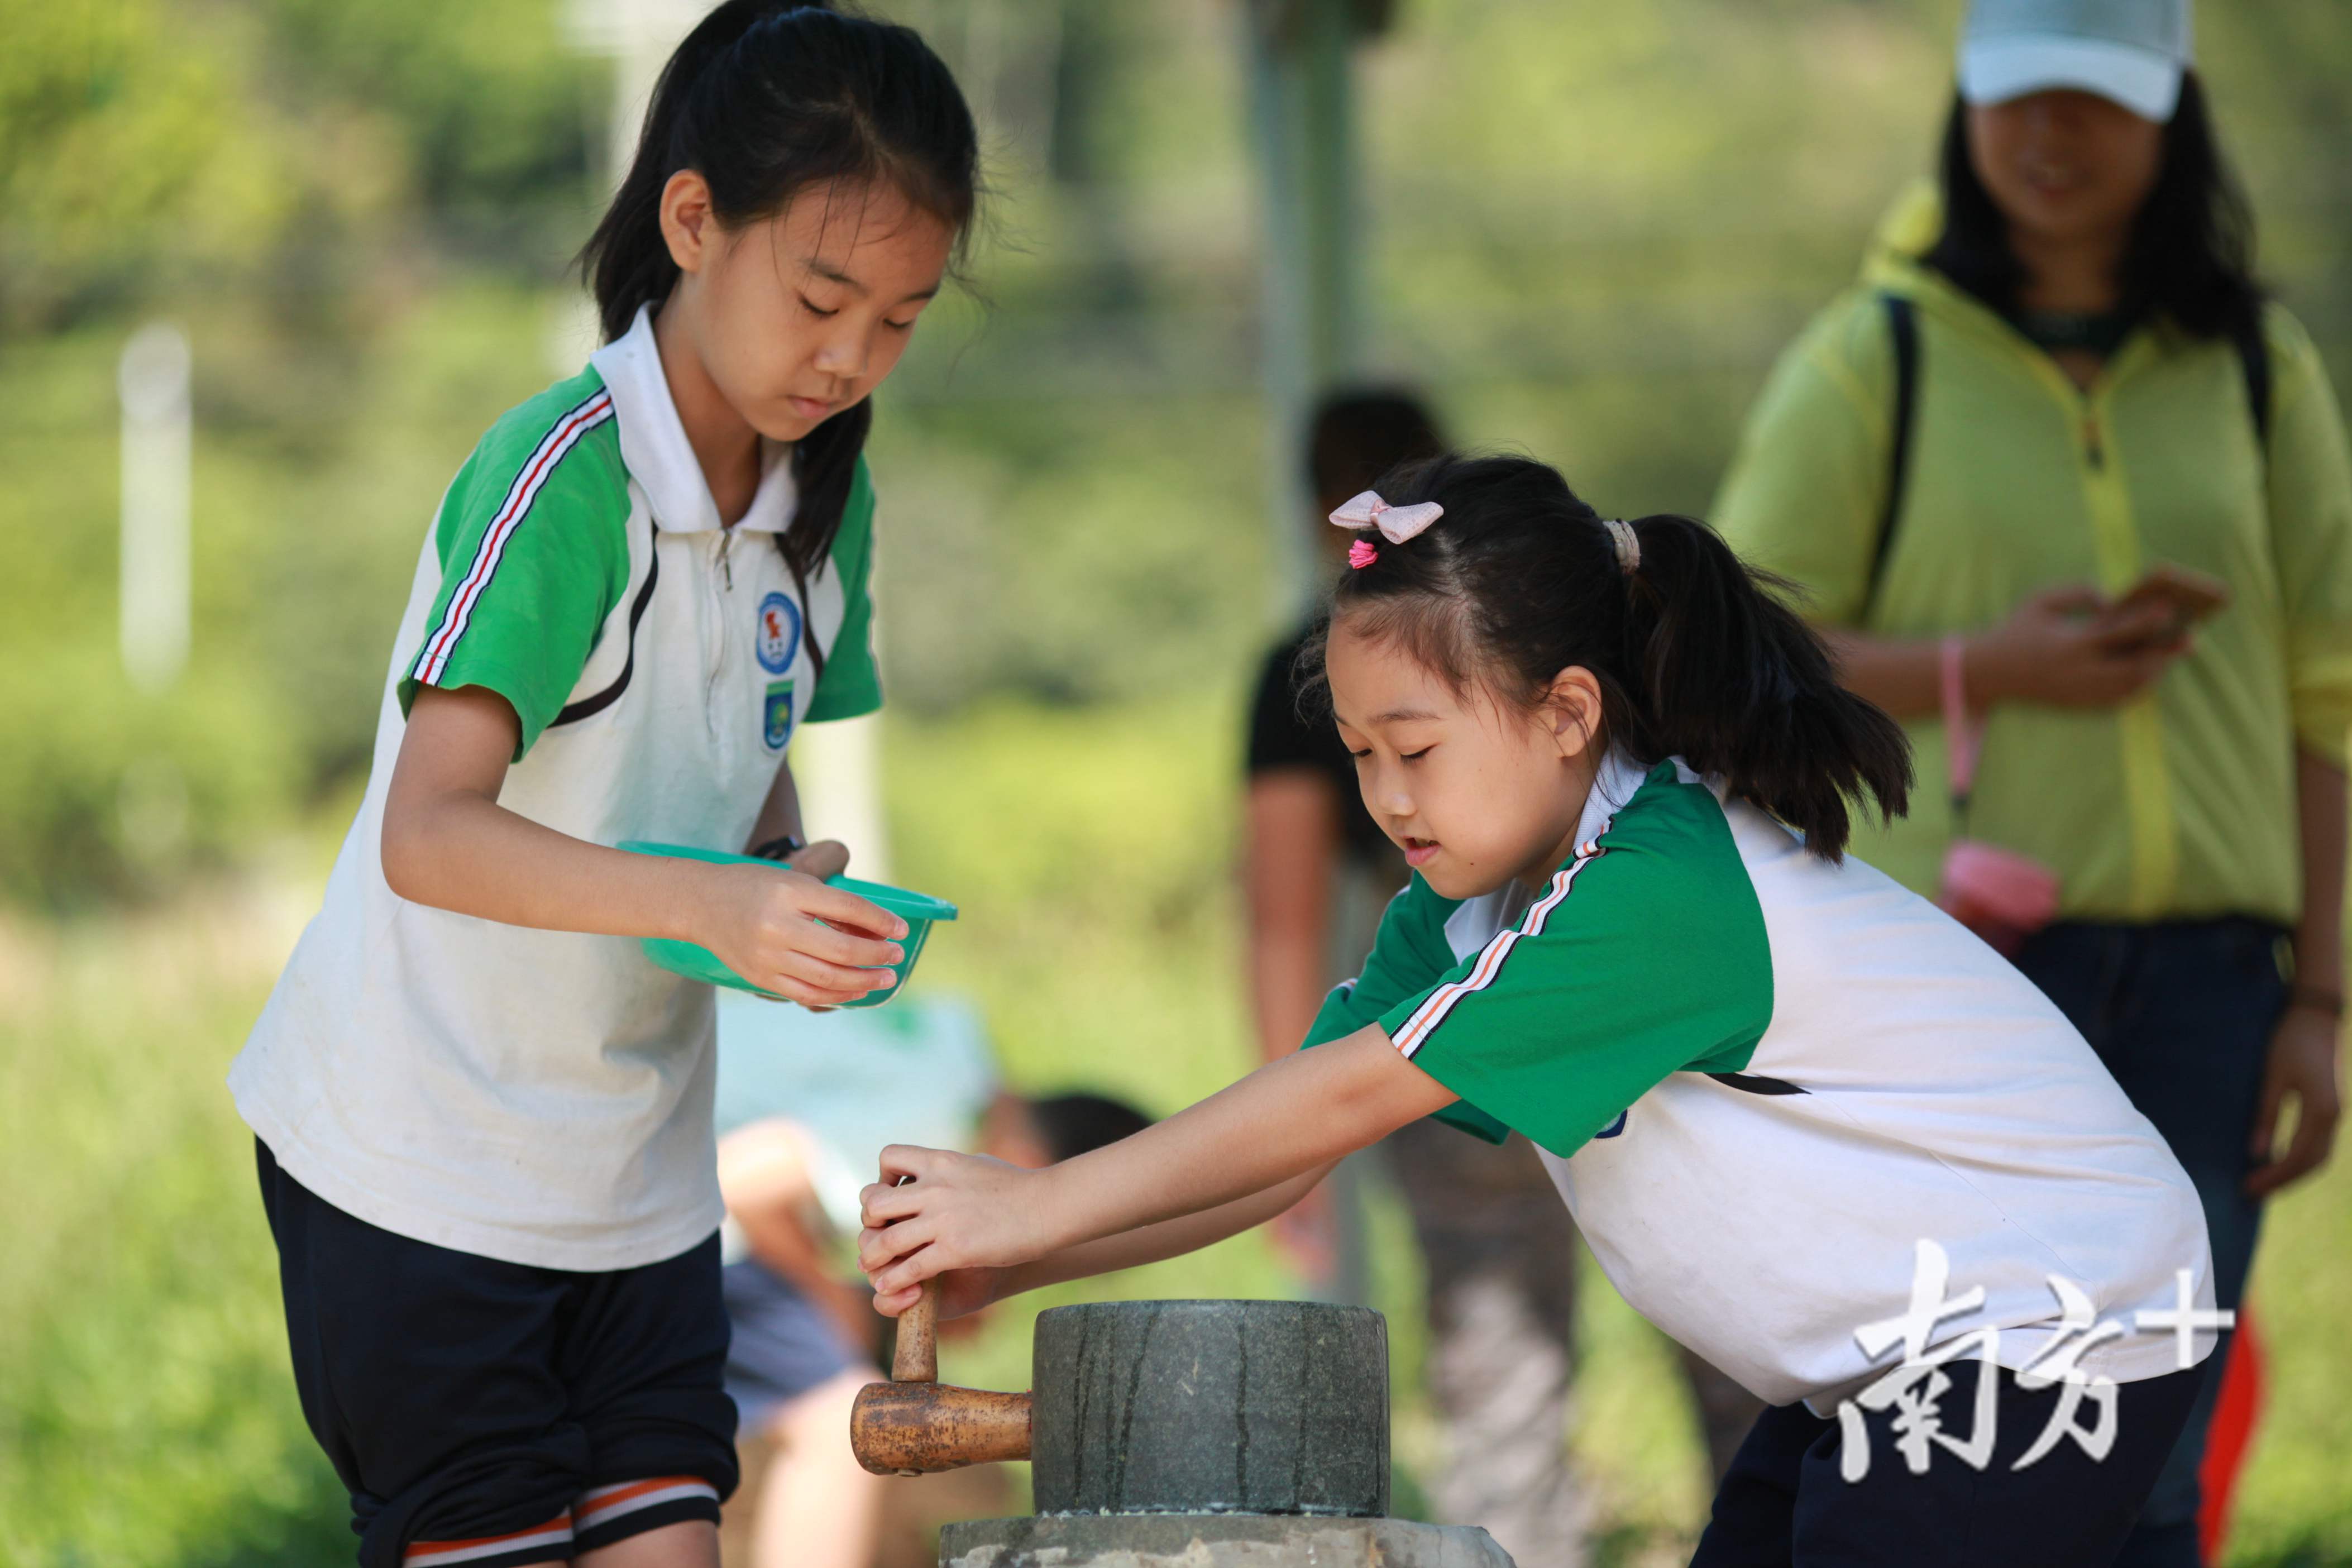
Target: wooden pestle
(915, 1424)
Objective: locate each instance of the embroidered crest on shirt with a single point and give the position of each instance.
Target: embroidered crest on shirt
(778, 637)
(776, 715)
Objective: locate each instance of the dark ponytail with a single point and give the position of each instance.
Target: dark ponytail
(764, 100)
(1695, 654)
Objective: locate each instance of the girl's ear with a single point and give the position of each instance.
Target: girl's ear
(689, 226)
(1573, 702)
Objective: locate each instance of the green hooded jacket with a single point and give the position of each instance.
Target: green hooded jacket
(2179, 802)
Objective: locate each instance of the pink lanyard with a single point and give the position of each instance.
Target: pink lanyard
(1963, 733)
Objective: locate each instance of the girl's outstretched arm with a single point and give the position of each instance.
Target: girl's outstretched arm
(1235, 1159)
(448, 842)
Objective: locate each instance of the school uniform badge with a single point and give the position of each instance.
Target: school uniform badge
(776, 715)
(778, 635)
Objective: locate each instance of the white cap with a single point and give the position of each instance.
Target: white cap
(2131, 52)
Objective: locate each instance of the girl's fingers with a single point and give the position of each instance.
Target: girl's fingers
(881, 1205)
(838, 905)
(809, 996)
(842, 982)
(900, 1159)
(893, 1243)
(893, 1303)
(834, 945)
(909, 1272)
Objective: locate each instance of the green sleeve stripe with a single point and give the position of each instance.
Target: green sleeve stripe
(1425, 1018)
(433, 658)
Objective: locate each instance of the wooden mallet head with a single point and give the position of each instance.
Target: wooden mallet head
(914, 1423)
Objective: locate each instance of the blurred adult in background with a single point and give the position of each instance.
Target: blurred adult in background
(1499, 1251)
(2056, 374)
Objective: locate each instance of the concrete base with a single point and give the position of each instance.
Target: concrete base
(1214, 1540)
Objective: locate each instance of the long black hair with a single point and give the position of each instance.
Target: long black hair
(766, 99)
(2193, 244)
(1694, 656)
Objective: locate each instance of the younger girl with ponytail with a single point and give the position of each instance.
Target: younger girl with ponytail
(1765, 1077)
(484, 1119)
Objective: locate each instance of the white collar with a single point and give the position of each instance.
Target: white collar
(1613, 784)
(657, 455)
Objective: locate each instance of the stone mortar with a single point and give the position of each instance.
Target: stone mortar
(1212, 1407)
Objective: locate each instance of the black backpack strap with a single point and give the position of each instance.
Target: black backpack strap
(1903, 327)
(2254, 361)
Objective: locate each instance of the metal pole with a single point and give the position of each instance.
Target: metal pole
(1303, 117)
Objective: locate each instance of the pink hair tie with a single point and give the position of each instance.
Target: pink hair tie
(1362, 554)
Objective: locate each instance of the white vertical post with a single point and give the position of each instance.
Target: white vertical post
(837, 768)
(157, 445)
(638, 36)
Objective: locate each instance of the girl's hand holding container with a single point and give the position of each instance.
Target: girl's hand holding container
(794, 936)
(779, 931)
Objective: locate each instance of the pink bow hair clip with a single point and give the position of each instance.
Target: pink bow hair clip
(1396, 523)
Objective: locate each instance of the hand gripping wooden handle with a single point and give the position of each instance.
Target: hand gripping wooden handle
(913, 1424)
(917, 1357)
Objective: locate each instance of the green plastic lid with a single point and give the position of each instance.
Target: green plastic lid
(904, 902)
(919, 911)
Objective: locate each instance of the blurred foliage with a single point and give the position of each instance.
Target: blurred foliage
(295, 150)
(1587, 237)
(1590, 226)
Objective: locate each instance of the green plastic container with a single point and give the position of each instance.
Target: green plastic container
(698, 963)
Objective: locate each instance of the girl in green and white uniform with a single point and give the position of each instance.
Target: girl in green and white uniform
(483, 1118)
(1811, 1126)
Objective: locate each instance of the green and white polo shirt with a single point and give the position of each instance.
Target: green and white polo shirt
(544, 1097)
(1759, 1079)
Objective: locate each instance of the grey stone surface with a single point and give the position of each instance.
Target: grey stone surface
(1214, 1540)
(1265, 1407)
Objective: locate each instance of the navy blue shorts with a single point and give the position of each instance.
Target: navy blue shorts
(1786, 1504)
(484, 1414)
